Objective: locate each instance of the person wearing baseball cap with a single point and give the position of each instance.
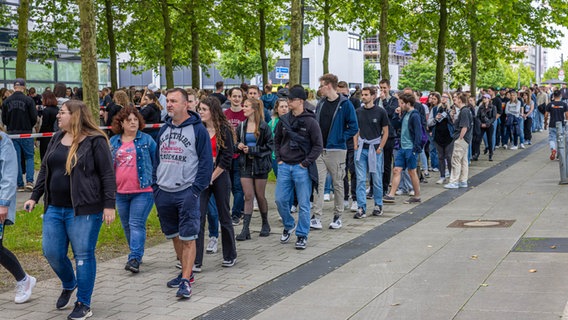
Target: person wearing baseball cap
(19, 115)
(298, 144)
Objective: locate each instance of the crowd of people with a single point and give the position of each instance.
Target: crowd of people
(373, 144)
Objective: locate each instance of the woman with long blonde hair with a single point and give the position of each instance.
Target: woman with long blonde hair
(77, 182)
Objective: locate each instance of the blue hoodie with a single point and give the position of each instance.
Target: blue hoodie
(183, 156)
(343, 125)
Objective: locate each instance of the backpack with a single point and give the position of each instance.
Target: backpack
(424, 137)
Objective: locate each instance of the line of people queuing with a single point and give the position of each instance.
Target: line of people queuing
(185, 167)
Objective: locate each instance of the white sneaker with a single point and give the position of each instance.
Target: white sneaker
(354, 206)
(255, 205)
(293, 209)
(336, 223)
(212, 245)
(514, 148)
(326, 197)
(452, 185)
(505, 146)
(411, 193)
(435, 170)
(399, 192)
(345, 204)
(462, 184)
(441, 181)
(315, 223)
(522, 146)
(24, 289)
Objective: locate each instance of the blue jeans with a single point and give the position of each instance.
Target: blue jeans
(423, 161)
(290, 177)
(237, 190)
(361, 167)
(433, 154)
(521, 129)
(494, 128)
(552, 137)
(61, 227)
(213, 217)
(27, 145)
(133, 210)
(513, 130)
(537, 121)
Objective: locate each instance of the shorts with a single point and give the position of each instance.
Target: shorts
(246, 172)
(406, 159)
(178, 213)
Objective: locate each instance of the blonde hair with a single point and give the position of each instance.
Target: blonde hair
(121, 98)
(81, 124)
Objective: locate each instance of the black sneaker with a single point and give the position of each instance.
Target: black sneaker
(64, 299)
(286, 234)
(301, 243)
(229, 263)
(80, 312)
(133, 266)
(360, 214)
(236, 220)
(378, 210)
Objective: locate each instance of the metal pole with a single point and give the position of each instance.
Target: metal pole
(560, 145)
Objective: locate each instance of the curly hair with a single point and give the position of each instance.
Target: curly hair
(122, 115)
(218, 118)
(121, 98)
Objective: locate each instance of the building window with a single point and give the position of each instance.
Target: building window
(354, 42)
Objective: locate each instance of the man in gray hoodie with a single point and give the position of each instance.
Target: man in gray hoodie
(183, 169)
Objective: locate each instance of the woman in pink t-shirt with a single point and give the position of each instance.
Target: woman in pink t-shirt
(133, 154)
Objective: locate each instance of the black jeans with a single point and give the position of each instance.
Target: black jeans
(528, 128)
(220, 189)
(350, 174)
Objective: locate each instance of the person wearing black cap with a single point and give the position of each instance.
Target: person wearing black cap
(19, 114)
(298, 143)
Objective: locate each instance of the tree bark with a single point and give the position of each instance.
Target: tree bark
(90, 76)
(442, 39)
(296, 42)
(326, 9)
(195, 72)
(384, 40)
(23, 38)
(263, 54)
(473, 75)
(111, 45)
(168, 45)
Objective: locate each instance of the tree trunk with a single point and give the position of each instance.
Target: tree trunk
(168, 45)
(473, 75)
(22, 48)
(296, 43)
(384, 40)
(111, 45)
(195, 72)
(90, 76)
(263, 55)
(326, 9)
(442, 39)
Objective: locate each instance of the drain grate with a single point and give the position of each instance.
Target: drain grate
(541, 245)
(481, 224)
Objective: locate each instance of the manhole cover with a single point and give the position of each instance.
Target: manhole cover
(481, 224)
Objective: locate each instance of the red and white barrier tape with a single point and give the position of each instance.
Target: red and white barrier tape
(50, 134)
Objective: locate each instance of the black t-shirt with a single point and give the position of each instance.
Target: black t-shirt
(326, 117)
(59, 182)
(557, 110)
(498, 104)
(442, 135)
(219, 96)
(371, 122)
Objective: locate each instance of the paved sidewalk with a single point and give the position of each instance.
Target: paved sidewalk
(428, 271)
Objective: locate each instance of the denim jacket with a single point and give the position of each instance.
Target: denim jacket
(145, 156)
(8, 174)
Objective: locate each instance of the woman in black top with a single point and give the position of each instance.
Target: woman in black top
(150, 109)
(485, 116)
(222, 139)
(48, 120)
(442, 130)
(77, 182)
(255, 145)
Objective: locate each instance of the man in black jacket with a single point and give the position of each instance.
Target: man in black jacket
(19, 115)
(298, 144)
